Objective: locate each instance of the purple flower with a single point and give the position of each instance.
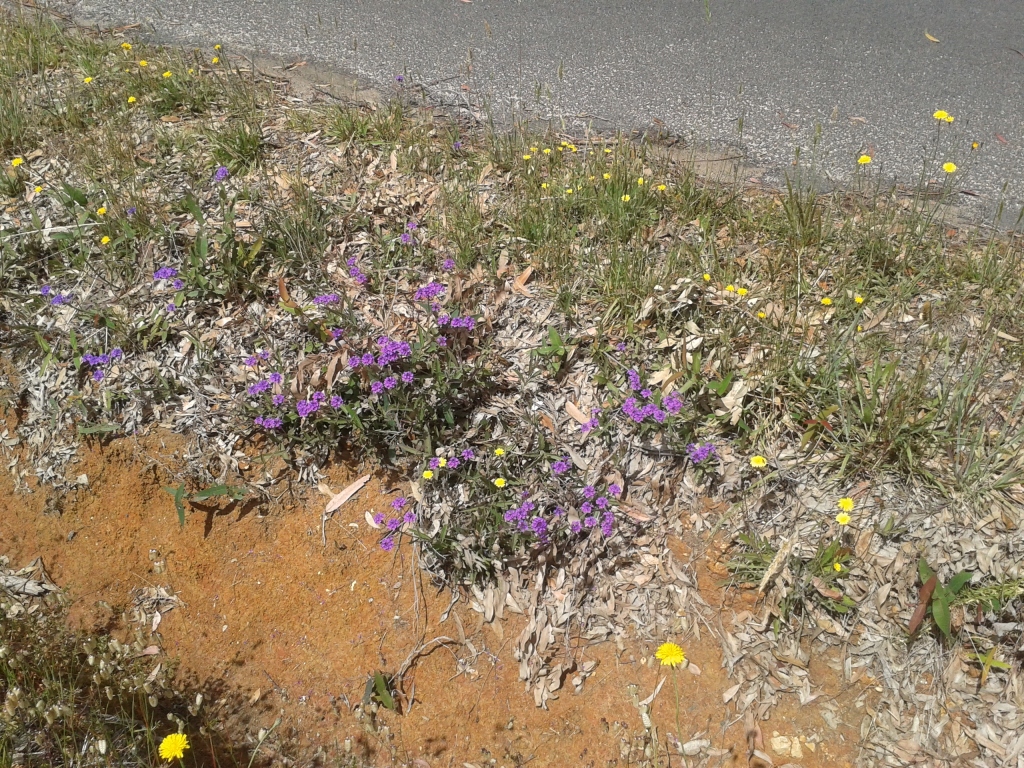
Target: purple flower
(589, 425)
(645, 393)
(336, 402)
(171, 308)
(442, 341)
(586, 508)
(251, 361)
(621, 346)
(411, 225)
(376, 388)
(336, 333)
(561, 466)
(634, 379)
(97, 375)
(407, 377)
(434, 463)
(352, 261)
(429, 291)
(390, 382)
(399, 78)
(607, 524)
(388, 544)
(589, 521)
(263, 354)
(319, 397)
(116, 353)
(406, 239)
(45, 290)
(221, 174)
(259, 387)
(539, 526)
(327, 298)
(602, 502)
(367, 359)
(393, 524)
(590, 492)
(468, 455)
(272, 422)
(378, 519)
(165, 273)
(576, 526)
(409, 517)
(131, 211)
(60, 298)
(398, 503)
(275, 378)
(700, 453)
(614, 489)
(258, 421)
(559, 512)
(443, 320)
(353, 362)
(178, 284)
(673, 403)
(277, 399)
(457, 146)
(448, 265)
(305, 407)
(453, 463)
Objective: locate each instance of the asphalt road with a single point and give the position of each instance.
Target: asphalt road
(833, 78)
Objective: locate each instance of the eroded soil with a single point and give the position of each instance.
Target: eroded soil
(272, 615)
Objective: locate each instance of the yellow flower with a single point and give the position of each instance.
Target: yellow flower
(568, 190)
(846, 504)
(670, 655)
(527, 157)
(761, 314)
(949, 118)
(662, 187)
(707, 277)
(442, 462)
(16, 162)
(131, 99)
(215, 60)
(864, 159)
(975, 145)
(843, 519)
(500, 482)
(173, 747)
(949, 167)
(126, 46)
(607, 151)
(38, 190)
(143, 63)
(940, 114)
(858, 299)
(499, 451)
(758, 462)
(104, 240)
(216, 47)
(87, 80)
(626, 198)
(428, 475)
(837, 567)
(544, 185)
(607, 176)
(533, 149)
(826, 302)
(167, 73)
(560, 149)
(860, 328)
(640, 181)
(101, 211)
(741, 291)
(730, 288)
(572, 147)
(547, 151)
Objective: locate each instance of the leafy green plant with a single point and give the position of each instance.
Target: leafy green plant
(936, 598)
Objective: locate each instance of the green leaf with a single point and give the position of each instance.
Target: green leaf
(179, 502)
(924, 571)
(235, 492)
(958, 582)
(940, 612)
(76, 195)
(721, 387)
(383, 694)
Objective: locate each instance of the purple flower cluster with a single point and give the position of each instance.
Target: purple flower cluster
(221, 174)
(59, 299)
(388, 543)
(407, 239)
(399, 503)
(268, 422)
(519, 515)
(448, 265)
(355, 272)
(673, 403)
(305, 407)
(561, 466)
(165, 273)
(700, 453)
(391, 350)
(327, 298)
(593, 423)
(467, 323)
(105, 359)
(429, 291)
(634, 379)
(639, 413)
(253, 360)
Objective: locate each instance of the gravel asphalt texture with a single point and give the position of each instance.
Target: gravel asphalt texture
(831, 79)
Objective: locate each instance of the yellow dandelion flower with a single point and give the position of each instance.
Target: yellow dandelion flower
(499, 451)
(626, 198)
(858, 299)
(533, 149)
(442, 462)
(590, 178)
(87, 80)
(101, 211)
(949, 118)
(730, 288)
(131, 99)
(500, 482)
(547, 151)
(741, 291)
(670, 655)
(173, 747)
(568, 190)
(975, 145)
(38, 190)
(572, 147)
(640, 181)
(607, 151)
(563, 143)
(104, 240)
(16, 162)
(216, 47)
(843, 519)
(940, 114)
(707, 277)
(826, 302)
(527, 157)
(662, 187)
(544, 185)
(215, 60)
(758, 462)
(560, 149)
(607, 176)
(126, 46)
(860, 328)
(143, 63)
(428, 475)
(864, 159)
(761, 314)
(837, 567)
(846, 504)
(167, 73)
(949, 167)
